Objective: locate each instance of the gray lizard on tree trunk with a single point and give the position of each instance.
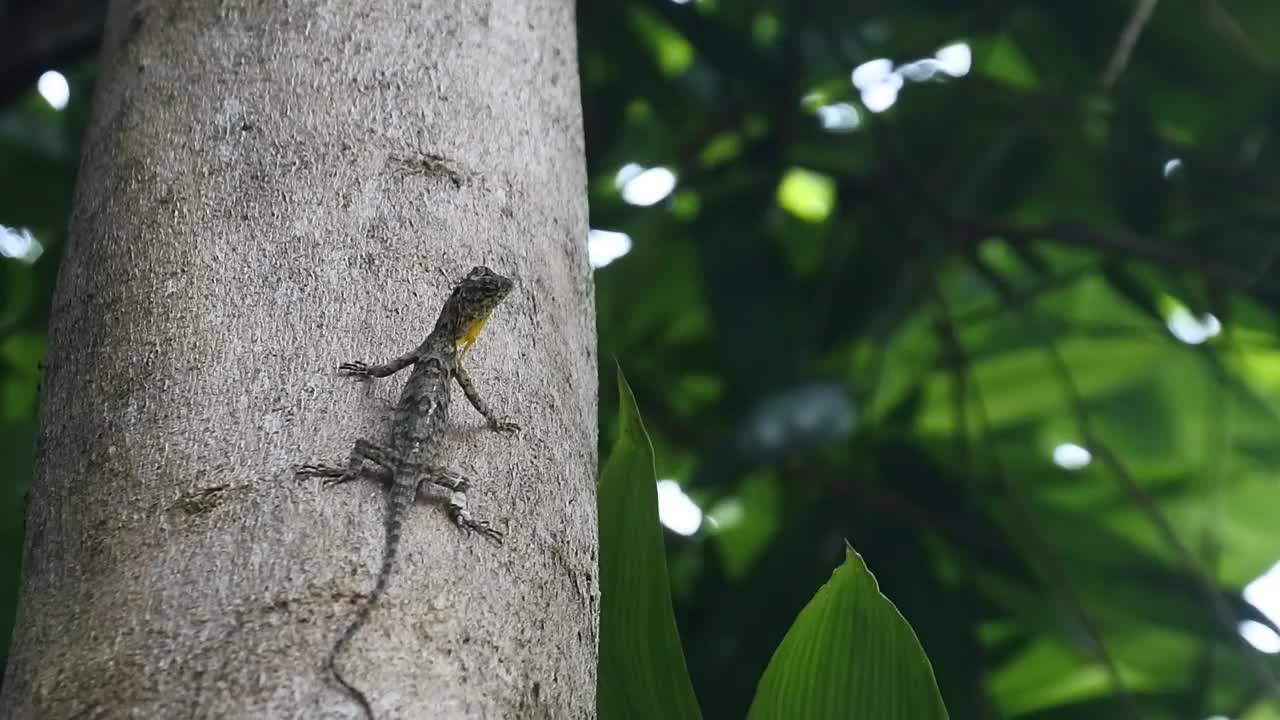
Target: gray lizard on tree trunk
(413, 462)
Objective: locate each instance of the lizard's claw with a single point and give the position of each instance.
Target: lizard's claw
(484, 528)
(505, 426)
(310, 471)
(331, 475)
(356, 367)
(332, 480)
(462, 518)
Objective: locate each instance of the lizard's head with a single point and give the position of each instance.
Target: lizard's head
(473, 300)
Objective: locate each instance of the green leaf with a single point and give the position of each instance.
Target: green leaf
(23, 352)
(850, 654)
(1047, 674)
(1006, 62)
(1264, 711)
(809, 195)
(1022, 385)
(745, 522)
(673, 52)
(642, 672)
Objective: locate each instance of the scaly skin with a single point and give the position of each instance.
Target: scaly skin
(414, 461)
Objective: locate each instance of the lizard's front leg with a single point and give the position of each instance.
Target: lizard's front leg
(360, 368)
(469, 389)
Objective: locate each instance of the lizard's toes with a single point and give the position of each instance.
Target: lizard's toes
(484, 528)
(356, 367)
(504, 426)
(324, 471)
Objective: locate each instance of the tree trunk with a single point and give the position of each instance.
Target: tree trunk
(269, 189)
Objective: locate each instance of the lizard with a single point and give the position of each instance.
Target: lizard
(413, 461)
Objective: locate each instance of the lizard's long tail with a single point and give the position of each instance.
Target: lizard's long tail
(401, 497)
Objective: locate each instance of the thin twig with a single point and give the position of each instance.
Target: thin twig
(1128, 40)
(1209, 592)
(893, 503)
(1053, 570)
(1116, 241)
(1225, 25)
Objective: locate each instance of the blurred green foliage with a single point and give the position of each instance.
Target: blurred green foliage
(882, 323)
(850, 653)
(884, 326)
(39, 154)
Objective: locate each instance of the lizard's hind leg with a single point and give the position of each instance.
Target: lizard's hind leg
(456, 503)
(364, 455)
(443, 477)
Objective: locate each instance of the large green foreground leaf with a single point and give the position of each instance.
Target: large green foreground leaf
(849, 655)
(642, 671)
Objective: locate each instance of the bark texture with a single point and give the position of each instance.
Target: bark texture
(271, 188)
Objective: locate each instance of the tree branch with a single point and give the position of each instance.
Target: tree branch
(1127, 41)
(1115, 241)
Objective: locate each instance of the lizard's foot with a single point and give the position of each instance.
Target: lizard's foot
(332, 475)
(462, 518)
(503, 425)
(483, 527)
(339, 479)
(359, 368)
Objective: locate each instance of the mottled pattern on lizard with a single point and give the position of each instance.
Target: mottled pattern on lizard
(414, 460)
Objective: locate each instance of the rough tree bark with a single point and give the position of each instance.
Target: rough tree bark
(268, 189)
